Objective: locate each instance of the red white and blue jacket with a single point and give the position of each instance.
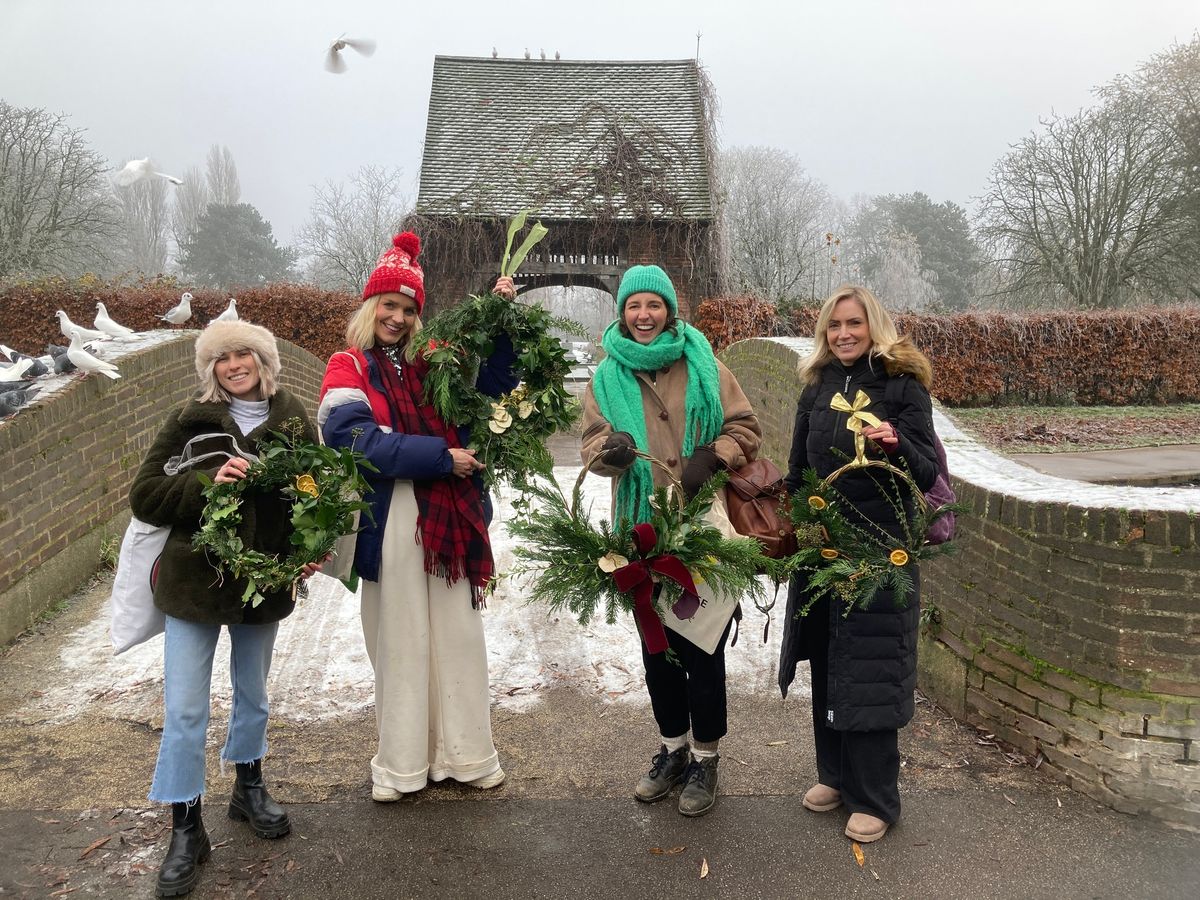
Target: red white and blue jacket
(354, 412)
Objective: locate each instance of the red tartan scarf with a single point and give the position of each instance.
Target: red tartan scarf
(449, 510)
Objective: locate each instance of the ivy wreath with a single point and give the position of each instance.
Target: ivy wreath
(325, 486)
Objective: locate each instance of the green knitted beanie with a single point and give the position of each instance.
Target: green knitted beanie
(646, 278)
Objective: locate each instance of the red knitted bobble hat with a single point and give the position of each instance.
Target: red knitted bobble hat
(398, 271)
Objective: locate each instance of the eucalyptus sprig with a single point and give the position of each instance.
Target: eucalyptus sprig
(325, 486)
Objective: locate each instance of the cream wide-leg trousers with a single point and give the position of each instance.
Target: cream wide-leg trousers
(426, 645)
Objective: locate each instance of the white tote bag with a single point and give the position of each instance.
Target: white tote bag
(704, 629)
(135, 618)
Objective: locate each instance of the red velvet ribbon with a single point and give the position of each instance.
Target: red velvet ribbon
(638, 578)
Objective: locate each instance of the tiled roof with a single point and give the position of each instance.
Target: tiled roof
(570, 139)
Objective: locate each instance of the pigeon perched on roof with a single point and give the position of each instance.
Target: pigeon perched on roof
(85, 362)
(17, 370)
(180, 312)
(105, 323)
(230, 314)
(66, 326)
(137, 169)
(333, 60)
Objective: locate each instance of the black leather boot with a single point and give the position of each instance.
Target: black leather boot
(189, 847)
(251, 803)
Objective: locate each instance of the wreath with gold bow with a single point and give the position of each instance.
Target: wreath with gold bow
(846, 557)
(590, 569)
(508, 433)
(325, 486)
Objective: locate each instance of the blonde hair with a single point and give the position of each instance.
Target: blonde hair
(897, 351)
(360, 330)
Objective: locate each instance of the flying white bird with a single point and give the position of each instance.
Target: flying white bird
(16, 370)
(65, 325)
(230, 313)
(333, 60)
(137, 169)
(105, 323)
(180, 312)
(85, 362)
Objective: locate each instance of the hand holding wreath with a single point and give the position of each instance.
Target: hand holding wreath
(325, 487)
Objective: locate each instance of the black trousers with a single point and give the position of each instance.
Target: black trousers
(689, 691)
(863, 765)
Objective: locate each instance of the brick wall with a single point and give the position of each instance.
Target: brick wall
(68, 461)
(1069, 621)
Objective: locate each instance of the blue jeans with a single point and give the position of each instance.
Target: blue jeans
(187, 680)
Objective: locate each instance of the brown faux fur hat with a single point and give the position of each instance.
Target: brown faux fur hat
(222, 337)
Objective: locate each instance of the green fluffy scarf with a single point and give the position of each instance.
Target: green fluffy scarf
(619, 396)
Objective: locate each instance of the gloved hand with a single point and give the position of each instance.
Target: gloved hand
(618, 450)
(701, 467)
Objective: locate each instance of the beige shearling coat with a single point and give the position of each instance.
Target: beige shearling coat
(663, 401)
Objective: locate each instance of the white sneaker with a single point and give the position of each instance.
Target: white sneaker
(381, 794)
(488, 781)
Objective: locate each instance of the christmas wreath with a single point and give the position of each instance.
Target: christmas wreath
(509, 432)
(852, 559)
(582, 568)
(326, 489)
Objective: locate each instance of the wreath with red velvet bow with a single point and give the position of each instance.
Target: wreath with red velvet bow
(588, 568)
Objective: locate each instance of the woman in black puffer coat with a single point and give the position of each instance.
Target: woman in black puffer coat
(864, 665)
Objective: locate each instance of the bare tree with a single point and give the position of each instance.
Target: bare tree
(774, 214)
(1083, 211)
(191, 203)
(56, 207)
(224, 188)
(145, 216)
(900, 279)
(350, 224)
(1167, 88)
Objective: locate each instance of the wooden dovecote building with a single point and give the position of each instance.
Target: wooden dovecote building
(615, 158)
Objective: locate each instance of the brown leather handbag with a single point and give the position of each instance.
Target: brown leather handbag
(758, 507)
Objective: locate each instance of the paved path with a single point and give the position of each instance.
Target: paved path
(1175, 464)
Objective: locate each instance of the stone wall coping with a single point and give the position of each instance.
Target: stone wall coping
(977, 465)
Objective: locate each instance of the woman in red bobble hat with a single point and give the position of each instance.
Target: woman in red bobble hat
(420, 598)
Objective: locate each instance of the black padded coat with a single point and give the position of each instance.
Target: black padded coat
(872, 653)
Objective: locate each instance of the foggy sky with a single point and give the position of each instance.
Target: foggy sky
(872, 96)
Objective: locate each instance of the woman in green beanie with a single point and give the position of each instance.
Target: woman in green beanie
(661, 390)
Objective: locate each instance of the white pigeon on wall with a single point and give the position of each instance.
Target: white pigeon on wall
(85, 362)
(137, 169)
(180, 312)
(66, 326)
(230, 314)
(16, 370)
(105, 323)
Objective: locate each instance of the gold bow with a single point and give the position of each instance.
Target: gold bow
(858, 417)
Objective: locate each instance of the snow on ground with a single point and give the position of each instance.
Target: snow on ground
(321, 669)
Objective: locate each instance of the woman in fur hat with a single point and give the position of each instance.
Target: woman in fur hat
(863, 663)
(425, 559)
(660, 389)
(239, 404)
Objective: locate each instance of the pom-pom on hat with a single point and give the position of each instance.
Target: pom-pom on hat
(398, 271)
(224, 337)
(646, 278)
